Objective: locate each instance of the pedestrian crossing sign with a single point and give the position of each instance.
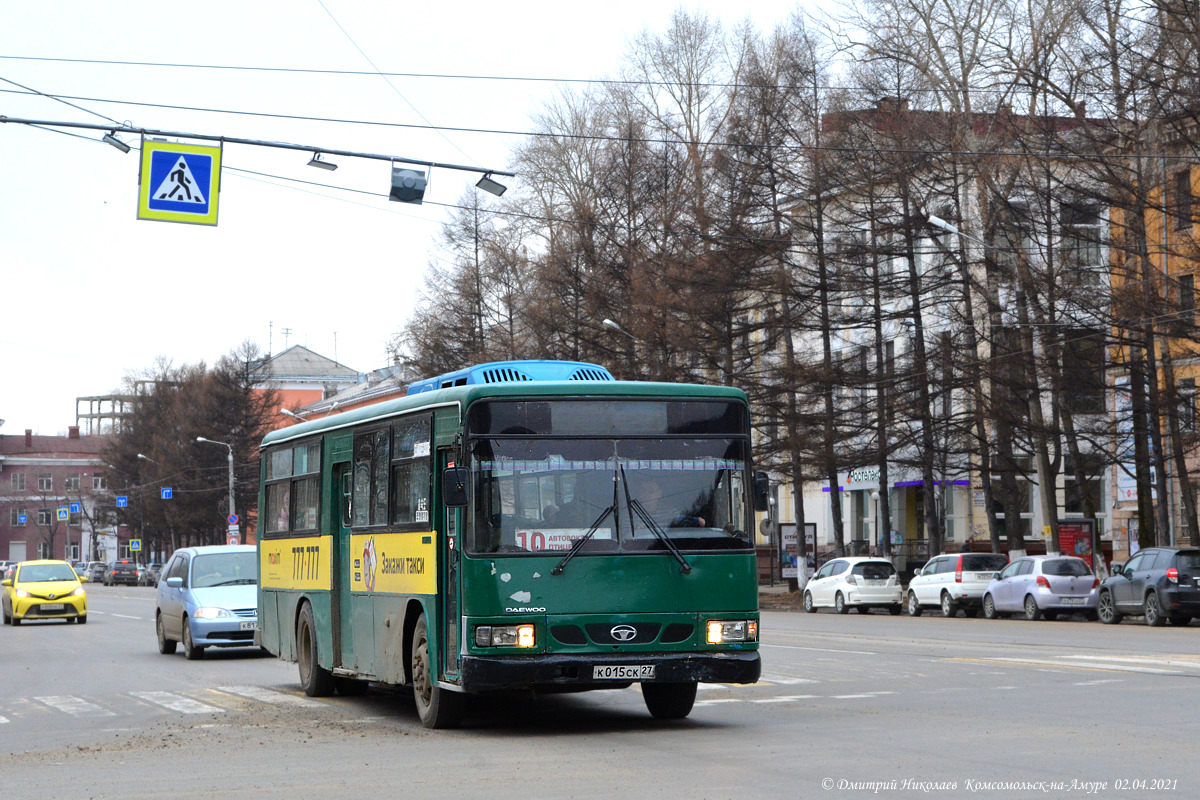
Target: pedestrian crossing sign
(179, 182)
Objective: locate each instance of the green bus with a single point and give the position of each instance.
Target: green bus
(530, 524)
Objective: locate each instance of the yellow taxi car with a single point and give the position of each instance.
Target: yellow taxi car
(43, 589)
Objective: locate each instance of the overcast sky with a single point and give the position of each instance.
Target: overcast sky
(90, 293)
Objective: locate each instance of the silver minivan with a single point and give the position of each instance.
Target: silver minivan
(952, 581)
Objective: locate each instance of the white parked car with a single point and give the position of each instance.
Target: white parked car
(952, 581)
(1043, 586)
(860, 583)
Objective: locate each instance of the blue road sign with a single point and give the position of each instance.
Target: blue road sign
(233, 519)
(165, 493)
(135, 545)
(22, 518)
(76, 508)
(122, 501)
(179, 182)
(63, 514)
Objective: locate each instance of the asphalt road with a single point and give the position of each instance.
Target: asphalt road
(866, 705)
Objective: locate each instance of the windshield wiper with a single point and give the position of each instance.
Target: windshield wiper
(636, 506)
(582, 540)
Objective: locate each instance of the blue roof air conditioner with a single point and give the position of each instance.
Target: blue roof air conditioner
(514, 372)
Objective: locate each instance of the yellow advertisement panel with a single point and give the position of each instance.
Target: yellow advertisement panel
(404, 563)
(301, 563)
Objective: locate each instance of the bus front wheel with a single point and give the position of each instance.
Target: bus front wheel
(314, 679)
(437, 707)
(669, 700)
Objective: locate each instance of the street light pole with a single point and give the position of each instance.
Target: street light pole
(232, 510)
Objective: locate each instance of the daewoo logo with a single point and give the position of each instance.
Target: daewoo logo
(623, 633)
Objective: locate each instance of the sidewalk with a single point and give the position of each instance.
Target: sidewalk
(779, 598)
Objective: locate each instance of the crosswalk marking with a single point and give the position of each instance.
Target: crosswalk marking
(184, 705)
(75, 706)
(784, 681)
(787, 698)
(3, 720)
(271, 696)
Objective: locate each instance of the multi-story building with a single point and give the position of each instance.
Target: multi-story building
(54, 499)
(913, 307)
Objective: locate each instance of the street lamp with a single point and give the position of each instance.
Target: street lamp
(232, 511)
(610, 324)
(875, 499)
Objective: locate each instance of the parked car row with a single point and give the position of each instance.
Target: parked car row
(1160, 584)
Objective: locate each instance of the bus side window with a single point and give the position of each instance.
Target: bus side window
(347, 498)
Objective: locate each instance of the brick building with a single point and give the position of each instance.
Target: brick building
(54, 499)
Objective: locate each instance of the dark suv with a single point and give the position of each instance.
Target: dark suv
(1160, 583)
(124, 571)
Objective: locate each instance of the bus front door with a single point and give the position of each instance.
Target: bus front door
(343, 628)
(452, 520)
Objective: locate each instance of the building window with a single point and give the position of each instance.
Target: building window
(44, 550)
(1185, 400)
(1081, 242)
(45, 516)
(76, 520)
(18, 481)
(1083, 370)
(1092, 487)
(45, 482)
(15, 517)
(72, 484)
(1183, 199)
(1187, 300)
(99, 483)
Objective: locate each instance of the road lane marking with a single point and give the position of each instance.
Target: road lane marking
(75, 706)
(1097, 683)
(3, 720)
(1034, 662)
(175, 702)
(126, 616)
(866, 695)
(718, 701)
(820, 649)
(783, 681)
(264, 695)
(1162, 662)
(787, 698)
(711, 686)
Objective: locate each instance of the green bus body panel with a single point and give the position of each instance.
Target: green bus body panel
(592, 589)
(615, 584)
(466, 395)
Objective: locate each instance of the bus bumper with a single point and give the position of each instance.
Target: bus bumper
(481, 674)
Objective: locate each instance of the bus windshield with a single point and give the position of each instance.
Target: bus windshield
(540, 495)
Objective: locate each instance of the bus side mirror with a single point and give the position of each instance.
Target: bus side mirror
(456, 487)
(762, 485)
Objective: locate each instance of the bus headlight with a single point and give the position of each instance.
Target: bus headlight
(504, 636)
(742, 630)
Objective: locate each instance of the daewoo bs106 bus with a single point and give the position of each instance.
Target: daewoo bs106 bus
(528, 524)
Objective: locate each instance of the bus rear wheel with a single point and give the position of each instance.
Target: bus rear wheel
(437, 707)
(314, 679)
(669, 700)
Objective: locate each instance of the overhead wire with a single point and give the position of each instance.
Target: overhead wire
(509, 78)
